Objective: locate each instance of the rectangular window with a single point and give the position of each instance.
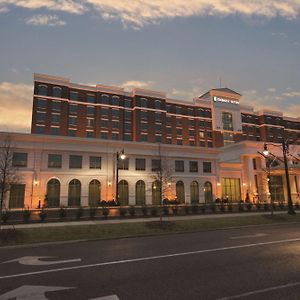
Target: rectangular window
(73, 95)
(127, 115)
(123, 164)
(19, 160)
(193, 166)
(40, 129)
(90, 98)
(16, 196)
(127, 137)
(56, 105)
(127, 103)
(55, 119)
(90, 122)
(54, 130)
(104, 135)
(127, 126)
(179, 131)
(41, 103)
(42, 90)
(231, 189)
(201, 134)
(90, 134)
(158, 138)
(179, 142)
(227, 121)
(104, 123)
(115, 113)
(140, 164)
(115, 136)
(73, 108)
(72, 120)
(156, 165)
(95, 162)
(72, 132)
(143, 115)
(75, 162)
(206, 167)
(90, 110)
(54, 161)
(115, 124)
(40, 117)
(144, 137)
(179, 166)
(104, 111)
(254, 163)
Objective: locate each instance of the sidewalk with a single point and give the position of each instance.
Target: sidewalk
(139, 220)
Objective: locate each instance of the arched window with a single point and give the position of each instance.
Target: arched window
(194, 192)
(42, 90)
(123, 192)
(53, 193)
(208, 196)
(156, 193)
(157, 104)
(56, 92)
(74, 193)
(115, 100)
(180, 195)
(143, 102)
(104, 99)
(94, 193)
(140, 193)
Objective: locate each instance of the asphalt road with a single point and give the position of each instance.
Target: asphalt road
(260, 262)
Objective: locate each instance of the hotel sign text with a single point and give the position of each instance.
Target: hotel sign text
(217, 99)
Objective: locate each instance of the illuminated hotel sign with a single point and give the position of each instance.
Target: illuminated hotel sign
(217, 99)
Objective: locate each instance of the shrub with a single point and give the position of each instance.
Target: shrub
(213, 207)
(175, 209)
(166, 210)
(258, 206)
(187, 209)
(241, 207)
(92, 212)
(42, 215)
(194, 208)
(144, 211)
(105, 212)
(266, 206)
(274, 206)
(203, 208)
(230, 207)
(79, 212)
(5, 216)
(62, 213)
(154, 211)
(132, 211)
(26, 215)
(249, 206)
(222, 207)
(281, 205)
(123, 212)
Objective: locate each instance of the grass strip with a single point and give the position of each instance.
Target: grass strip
(108, 231)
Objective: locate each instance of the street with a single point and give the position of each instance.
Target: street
(256, 262)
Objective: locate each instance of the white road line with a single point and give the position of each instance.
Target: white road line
(149, 258)
(255, 292)
(248, 236)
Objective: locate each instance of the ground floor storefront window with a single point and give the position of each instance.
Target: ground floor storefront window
(276, 188)
(231, 189)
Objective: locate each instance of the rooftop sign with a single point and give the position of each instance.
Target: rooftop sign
(217, 99)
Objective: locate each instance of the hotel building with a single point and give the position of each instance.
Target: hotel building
(207, 148)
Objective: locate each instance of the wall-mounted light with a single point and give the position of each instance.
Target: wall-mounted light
(35, 182)
(109, 183)
(244, 184)
(218, 184)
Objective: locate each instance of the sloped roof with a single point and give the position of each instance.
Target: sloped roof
(227, 90)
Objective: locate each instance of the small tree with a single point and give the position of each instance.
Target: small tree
(8, 175)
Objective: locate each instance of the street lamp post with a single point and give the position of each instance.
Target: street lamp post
(120, 155)
(285, 149)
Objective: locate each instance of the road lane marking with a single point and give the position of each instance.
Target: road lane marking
(32, 292)
(255, 292)
(35, 261)
(248, 236)
(149, 258)
(111, 297)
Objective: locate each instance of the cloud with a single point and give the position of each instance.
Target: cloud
(3, 10)
(45, 20)
(131, 84)
(271, 90)
(15, 106)
(184, 94)
(70, 6)
(291, 94)
(138, 13)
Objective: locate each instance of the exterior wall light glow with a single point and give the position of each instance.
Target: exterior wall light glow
(266, 151)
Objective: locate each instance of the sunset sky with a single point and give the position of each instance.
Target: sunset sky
(181, 47)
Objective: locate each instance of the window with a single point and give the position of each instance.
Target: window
(72, 120)
(157, 104)
(178, 110)
(208, 195)
(54, 130)
(190, 112)
(228, 138)
(90, 98)
(53, 193)
(40, 129)
(127, 126)
(73, 108)
(192, 143)
(127, 103)
(95, 162)
(140, 164)
(180, 194)
(179, 166)
(227, 121)
(56, 92)
(201, 134)
(54, 161)
(90, 134)
(127, 137)
(179, 142)
(158, 138)
(75, 162)
(19, 159)
(90, 110)
(42, 90)
(40, 117)
(169, 130)
(104, 135)
(144, 137)
(16, 196)
(143, 102)
(115, 135)
(104, 99)
(193, 166)
(194, 192)
(104, 111)
(192, 132)
(276, 188)
(202, 143)
(41, 103)
(56, 105)
(178, 121)
(115, 100)
(140, 193)
(179, 131)
(206, 167)
(231, 189)
(94, 193)
(123, 164)
(156, 192)
(209, 144)
(115, 124)
(169, 141)
(74, 193)
(104, 123)
(158, 117)
(73, 95)
(90, 122)
(115, 113)
(123, 192)
(55, 119)
(209, 134)
(127, 115)
(144, 115)
(72, 132)
(158, 127)
(156, 165)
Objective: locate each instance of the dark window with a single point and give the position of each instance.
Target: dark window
(16, 196)
(95, 162)
(144, 115)
(42, 90)
(127, 103)
(54, 160)
(90, 110)
(143, 102)
(115, 125)
(55, 119)
(115, 113)
(158, 117)
(41, 103)
(104, 123)
(158, 127)
(90, 134)
(73, 108)
(140, 164)
(56, 105)
(75, 162)
(156, 165)
(179, 131)
(123, 164)
(104, 111)
(54, 130)
(179, 142)
(144, 137)
(73, 95)
(104, 135)
(254, 163)
(127, 115)
(90, 98)
(72, 120)
(40, 117)
(40, 129)
(72, 132)
(127, 137)
(178, 110)
(157, 104)
(127, 126)
(105, 99)
(179, 166)
(202, 143)
(158, 138)
(19, 159)
(193, 166)
(115, 100)
(209, 144)
(115, 136)
(56, 92)
(206, 167)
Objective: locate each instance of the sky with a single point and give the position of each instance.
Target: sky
(180, 47)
